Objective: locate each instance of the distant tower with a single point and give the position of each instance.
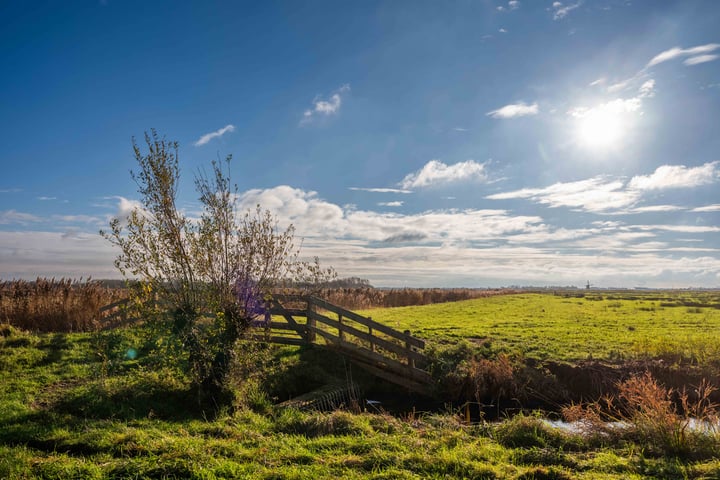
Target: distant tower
(587, 287)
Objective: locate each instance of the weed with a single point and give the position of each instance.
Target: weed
(652, 415)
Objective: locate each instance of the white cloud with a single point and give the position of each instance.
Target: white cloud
(603, 194)
(561, 11)
(677, 176)
(515, 110)
(597, 194)
(216, 134)
(656, 208)
(124, 208)
(43, 198)
(677, 52)
(56, 254)
(432, 248)
(700, 59)
(316, 218)
(79, 219)
(707, 208)
(436, 172)
(311, 215)
(613, 107)
(328, 107)
(398, 203)
(10, 217)
(511, 5)
(647, 89)
(381, 190)
(680, 228)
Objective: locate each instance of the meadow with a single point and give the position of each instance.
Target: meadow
(112, 403)
(573, 326)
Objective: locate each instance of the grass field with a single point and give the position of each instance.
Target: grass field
(110, 405)
(677, 326)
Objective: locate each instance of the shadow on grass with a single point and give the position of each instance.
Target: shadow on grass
(55, 347)
(308, 368)
(130, 401)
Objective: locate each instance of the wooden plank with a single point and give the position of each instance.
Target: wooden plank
(278, 326)
(295, 312)
(279, 340)
(119, 303)
(368, 322)
(381, 342)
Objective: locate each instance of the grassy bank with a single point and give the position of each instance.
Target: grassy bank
(105, 405)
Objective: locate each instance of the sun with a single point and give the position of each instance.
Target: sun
(601, 129)
(605, 126)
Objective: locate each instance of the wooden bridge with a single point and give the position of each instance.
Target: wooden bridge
(387, 353)
(381, 350)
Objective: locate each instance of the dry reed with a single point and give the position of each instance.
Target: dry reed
(50, 305)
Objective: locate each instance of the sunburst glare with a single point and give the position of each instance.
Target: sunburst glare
(606, 126)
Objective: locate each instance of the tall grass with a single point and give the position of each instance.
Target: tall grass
(50, 305)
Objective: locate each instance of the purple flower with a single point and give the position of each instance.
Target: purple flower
(249, 298)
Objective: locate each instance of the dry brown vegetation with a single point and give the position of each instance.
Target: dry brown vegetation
(667, 421)
(67, 305)
(363, 298)
(50, 305)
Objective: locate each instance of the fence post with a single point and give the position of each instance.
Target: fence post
(370, 332)
(408, 347)
(266, 320)
(341, 333)
(310, 320)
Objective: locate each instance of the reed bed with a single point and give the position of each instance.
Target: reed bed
(55, 305)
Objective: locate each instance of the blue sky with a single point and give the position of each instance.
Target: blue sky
(460, 143)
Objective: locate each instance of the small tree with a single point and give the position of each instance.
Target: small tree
(223, 262)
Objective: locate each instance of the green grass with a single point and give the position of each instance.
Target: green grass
(78, 406)
(608, 326)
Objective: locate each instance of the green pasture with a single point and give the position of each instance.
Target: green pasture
(106, 405)
(571, 326)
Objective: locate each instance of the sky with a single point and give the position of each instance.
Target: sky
(468, 143)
